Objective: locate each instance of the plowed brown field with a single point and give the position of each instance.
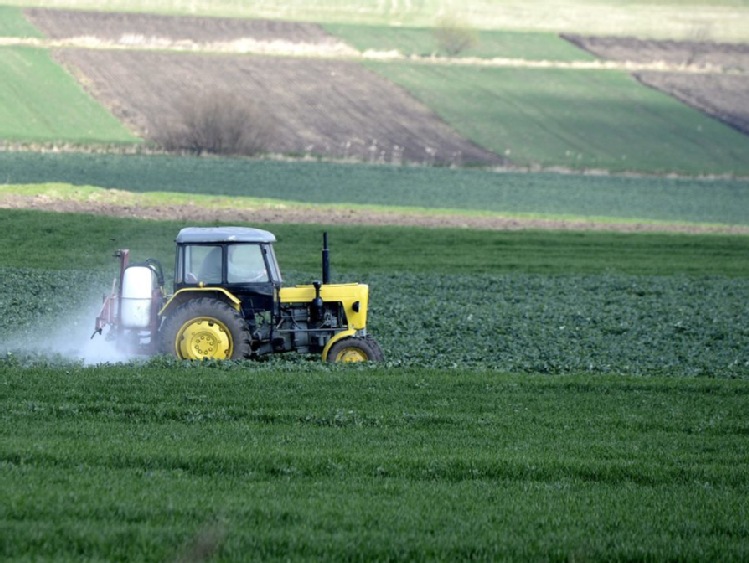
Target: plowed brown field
(330, 107)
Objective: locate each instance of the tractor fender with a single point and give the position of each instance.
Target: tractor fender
(336, 338)
(187, 293)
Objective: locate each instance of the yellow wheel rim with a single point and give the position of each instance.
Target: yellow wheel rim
(351, 355)
(204, 338)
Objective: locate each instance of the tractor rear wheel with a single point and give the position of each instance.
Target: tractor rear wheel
(205, 328)
(355, 349)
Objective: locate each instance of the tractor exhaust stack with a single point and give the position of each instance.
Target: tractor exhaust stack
(325, 259)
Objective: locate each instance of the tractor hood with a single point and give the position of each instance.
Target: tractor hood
(353, 296)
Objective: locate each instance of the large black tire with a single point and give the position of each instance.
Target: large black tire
(356, 349)
(205, 328)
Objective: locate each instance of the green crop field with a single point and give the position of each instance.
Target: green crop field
(39, 101)
(537, 301)
(545, 396)
(13, 24)
(657, 199)
(154, 463)
(575, 118)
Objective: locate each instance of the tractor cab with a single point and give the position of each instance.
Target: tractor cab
(225, 256)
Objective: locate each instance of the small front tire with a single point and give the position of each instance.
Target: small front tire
(355, 349)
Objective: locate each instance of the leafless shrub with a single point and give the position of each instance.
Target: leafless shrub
(698, 41)
(218, 123)
(453, 37)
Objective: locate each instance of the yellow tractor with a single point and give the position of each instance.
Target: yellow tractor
(228, 303)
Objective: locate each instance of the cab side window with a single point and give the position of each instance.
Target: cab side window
(246, 264)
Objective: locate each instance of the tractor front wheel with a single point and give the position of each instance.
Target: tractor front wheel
(355, 349)
(205, 328)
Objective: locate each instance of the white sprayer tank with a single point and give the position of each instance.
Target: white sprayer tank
(138, 283)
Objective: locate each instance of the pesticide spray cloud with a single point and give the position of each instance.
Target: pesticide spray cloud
(70, 340)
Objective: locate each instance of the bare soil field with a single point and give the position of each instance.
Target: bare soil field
(714, 77)
(334, 108)
(109, 26)
(724, 96)
(329, 107)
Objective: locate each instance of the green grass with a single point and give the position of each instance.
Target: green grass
(40, 102)
(616, 198)
(575, 118)
(52, 241)
(13, 24)
(489, 44)
(261, 464)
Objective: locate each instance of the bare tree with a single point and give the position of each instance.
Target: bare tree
(698, 40)
(217, 123)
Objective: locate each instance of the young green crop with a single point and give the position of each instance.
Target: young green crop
(39, 101)
(245, 461)
(13, 24)
(591, 324)
(581, 119)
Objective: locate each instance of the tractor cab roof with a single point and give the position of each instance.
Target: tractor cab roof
(193, 235)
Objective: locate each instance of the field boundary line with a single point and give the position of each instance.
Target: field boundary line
(341, 50)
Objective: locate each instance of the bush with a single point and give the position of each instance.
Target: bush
(453, 37)
(222, 123)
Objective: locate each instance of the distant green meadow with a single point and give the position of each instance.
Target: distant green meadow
(41, 102)
(649, 199)
(580, 119)
(13, 24)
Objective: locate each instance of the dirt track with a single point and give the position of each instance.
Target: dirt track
(338, 216)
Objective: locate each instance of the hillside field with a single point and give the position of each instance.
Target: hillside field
(579, 119)
(519, 99)
(40, 102)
